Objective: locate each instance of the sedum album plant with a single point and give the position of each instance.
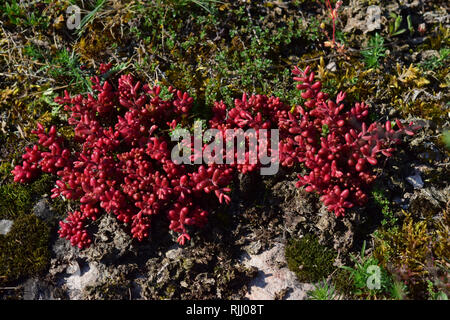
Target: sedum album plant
(258, 115)
(120, 161)
(338, 146)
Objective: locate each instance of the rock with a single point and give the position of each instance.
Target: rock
(403, 202)
(429, 201)
(428, 54)
(188, 264)
(356, 16)
(393, 6)
(112, 242)
(174, 253)
(42, 210)
(80, 278)
(436, 17)
(63, 250)
(338, 233)
(360, 18)
(278, 11)
(274, 277)
(415, 180)
(331, 66)
(413, 4)
(74, 268)
(250, 184)
(295, 204)
(373, 19)
(418, 40)
(5, 226)
(326, 222)
(205, 279)
(303, 213)
(35, 289)
(254, 247)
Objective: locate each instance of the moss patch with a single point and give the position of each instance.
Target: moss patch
(310, 260)
(341, 282)
(16, 199)
(24, 251)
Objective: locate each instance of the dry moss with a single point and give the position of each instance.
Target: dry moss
(417, 251)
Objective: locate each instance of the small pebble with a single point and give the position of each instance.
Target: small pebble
(415, 180)
(5, 226)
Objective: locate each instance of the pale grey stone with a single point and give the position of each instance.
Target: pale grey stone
(373, 19)
(415, 180)
(274, 277)
(5, 226)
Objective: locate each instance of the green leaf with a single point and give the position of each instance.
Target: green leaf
(90, 17)
(392, 15)
(398, 22)
(410, 25)
(363, 250)
(399, 32)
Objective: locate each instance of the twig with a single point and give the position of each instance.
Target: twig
(253, 29)
(25, 74)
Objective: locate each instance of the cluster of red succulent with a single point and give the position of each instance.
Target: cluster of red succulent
(49, 161)
(335, 144)
(338, 146)
(123, 165)
(255, 112)
(124, 169)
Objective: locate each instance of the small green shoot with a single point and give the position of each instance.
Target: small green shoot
(374, 52)
(363, 271)
(394, 26)
(322, 291)
(435, 295)
(90, 17)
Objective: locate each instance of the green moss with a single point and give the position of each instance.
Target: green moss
(341, 282)
(434, 111)
(41, 185)
(310, 260)
(60, 207)
(16, 199)
(382, 202)
(445, 139)
(416, 251)
(24, 251)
